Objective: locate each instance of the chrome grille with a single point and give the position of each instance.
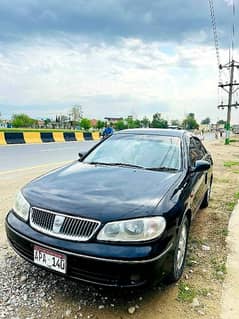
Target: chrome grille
(62, 226)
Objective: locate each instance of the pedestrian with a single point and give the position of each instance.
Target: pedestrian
(107, 131)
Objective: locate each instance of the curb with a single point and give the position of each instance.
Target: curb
(230, 293)
(46, 137)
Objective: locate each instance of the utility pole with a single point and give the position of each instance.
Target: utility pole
(230, 66)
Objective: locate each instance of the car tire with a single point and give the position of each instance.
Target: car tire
(179, 254)
(206, 198)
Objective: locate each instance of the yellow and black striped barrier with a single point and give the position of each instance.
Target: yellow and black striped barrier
(46, 137)
(2, 138)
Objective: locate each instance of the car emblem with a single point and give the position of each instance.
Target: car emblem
(58, 222)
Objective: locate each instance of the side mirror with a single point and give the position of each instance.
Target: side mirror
(201, 166)
(81, 155)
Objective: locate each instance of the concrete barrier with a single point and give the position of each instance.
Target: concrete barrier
(87, 136)
(47, 137)
(95, 136)
(79, 136)
(69, 136)
(58, 137)
(2, 138)
(14, 138)
(32, 137)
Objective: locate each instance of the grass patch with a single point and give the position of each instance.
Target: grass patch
(223, 180)
(234, 141)
(222, 232)
(225, 232)
(231, 205)
(231, 163)
(186, 293)
(204, 292)
(190, 262)
(219, 269)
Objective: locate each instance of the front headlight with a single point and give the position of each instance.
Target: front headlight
(131, 230)
(21, 206)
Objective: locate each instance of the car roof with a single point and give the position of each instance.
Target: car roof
(154, 131)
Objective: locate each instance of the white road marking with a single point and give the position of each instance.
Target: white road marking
(56, 149)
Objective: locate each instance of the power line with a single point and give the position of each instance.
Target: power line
(214, 28)
(232, 86)
(233, 26)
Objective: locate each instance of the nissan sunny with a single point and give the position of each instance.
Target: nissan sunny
(121, 214)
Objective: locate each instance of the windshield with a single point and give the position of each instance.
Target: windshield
(145, 151)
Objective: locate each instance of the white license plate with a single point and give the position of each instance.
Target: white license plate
(50, 259)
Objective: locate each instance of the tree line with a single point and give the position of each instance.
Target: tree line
(77, 121)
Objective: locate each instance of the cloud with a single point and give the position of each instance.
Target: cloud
(151, 20)
(112, 57)
(130, 76)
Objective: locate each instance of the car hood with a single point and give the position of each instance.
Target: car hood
(100, 192)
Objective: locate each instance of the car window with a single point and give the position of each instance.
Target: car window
(196, 150)
(148, 151)
(200, 147)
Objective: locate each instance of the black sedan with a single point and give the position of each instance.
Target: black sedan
(120, 215)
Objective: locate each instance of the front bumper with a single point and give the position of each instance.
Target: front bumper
(103, 264)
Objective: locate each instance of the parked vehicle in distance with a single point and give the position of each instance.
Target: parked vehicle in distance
(120, 215)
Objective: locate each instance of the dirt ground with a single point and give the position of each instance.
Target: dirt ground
(196, 295)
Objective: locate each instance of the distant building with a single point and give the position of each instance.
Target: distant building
(5, 124)
(41, 123)
(113, 119)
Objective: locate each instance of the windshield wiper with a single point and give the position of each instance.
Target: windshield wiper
(117, 164)
(101, 163)
(127, 165)
(162, 168)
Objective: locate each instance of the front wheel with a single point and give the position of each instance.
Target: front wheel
(179, 255)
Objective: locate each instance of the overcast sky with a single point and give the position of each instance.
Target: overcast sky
(113, 57)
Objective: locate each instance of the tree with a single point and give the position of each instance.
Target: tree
(206, 121)
(100, 124)
(145, 122)
(131, 123)
(175, 123)
(120, 125)
(47, 121)
(221, 122)
(158, 121)
(137, 123)
(85, 123)
(22, 120)
(190, 123)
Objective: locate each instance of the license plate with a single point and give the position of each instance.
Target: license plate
(50, 259)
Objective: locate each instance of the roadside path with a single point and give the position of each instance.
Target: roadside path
(230, 294)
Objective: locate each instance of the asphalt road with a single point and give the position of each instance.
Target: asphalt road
(21, 156)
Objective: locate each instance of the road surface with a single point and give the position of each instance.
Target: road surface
(20, 156)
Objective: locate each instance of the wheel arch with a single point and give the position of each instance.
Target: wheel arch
(187, 213)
